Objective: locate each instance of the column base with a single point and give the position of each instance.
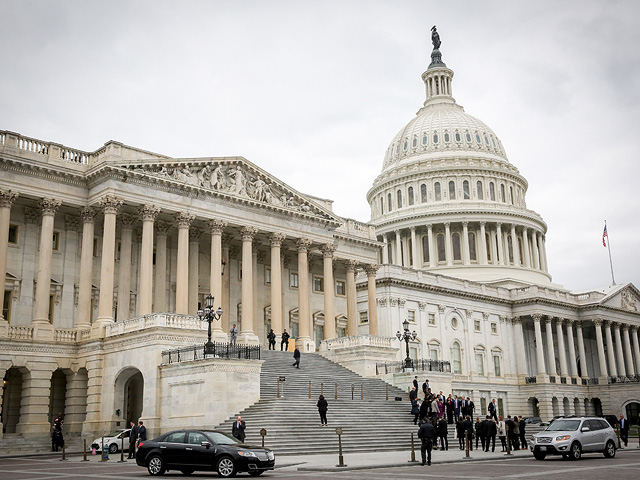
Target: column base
(97, 330)
(305, 344)
(603, 380)
(248, 338)
(542, 378)
(43, 331)
(219, 337)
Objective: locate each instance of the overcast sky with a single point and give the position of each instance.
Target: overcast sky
(313, 92)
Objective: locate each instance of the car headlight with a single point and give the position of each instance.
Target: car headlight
(270, 455)
(563, 437)
(247, 453)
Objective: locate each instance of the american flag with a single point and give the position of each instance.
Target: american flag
(604, 236)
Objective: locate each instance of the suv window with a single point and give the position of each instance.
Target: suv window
(175, 437)
(595, 425)
(604, 424)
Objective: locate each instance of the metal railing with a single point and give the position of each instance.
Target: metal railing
(416, 365)
(219, 350)
(529, 380)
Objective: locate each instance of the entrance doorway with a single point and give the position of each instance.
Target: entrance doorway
(129, 395)
(12, 399)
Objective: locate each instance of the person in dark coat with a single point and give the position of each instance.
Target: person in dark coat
(493, 409)
(142, 431)
(426, 433)
(296, 358)
(323, 406)
(523, 439)
(415, 382)
(449, 409)
(509, 427)
(468, 429)
(415, 410)
(460, 432)
(479, 433)
(57, 441)
(442, 432)
(133, 435)
(490, 431)
(272, 339)
(237, 430)
(624, 430)
(413, 394)
(424, 410)
(285, 340)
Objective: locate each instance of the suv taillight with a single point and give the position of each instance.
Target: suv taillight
(140, 444)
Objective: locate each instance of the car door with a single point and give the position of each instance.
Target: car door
(173, 448)
(199, 456)
(597, 436)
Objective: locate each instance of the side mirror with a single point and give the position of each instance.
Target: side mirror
(584, 429)
(205, 444)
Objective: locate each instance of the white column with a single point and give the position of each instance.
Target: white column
(433, 258)
(304, 313)
(562, 352)
(414, 249)
(110, 205)
(499, 243)
(519, 346)
(525, 247)
(600, 344)
(48, 207)
(124, 275)
(581, 351)
(539, 349)
(215, 272)
(7, 197)
(372, 300)
(329, 291)
(482, 242)
(627, 351)
(494, 247)
(613, 371)
(543, 254)
(447, 244)
(247, 334)
(536, 253)
(385, 249)
(573, 365)
(466, 256)
(148, 214)
(277, 324)
(636, 347)
(183, 219)
(398, 259)
(194, 269)
(83, 321)
(352, 305)
(550, 350)
(514, 243)
(160, 282)
(622, 371)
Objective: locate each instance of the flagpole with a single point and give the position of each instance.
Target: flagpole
(613, 280)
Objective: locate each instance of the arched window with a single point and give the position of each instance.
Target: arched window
(502, 194)
(468, 137)
(446, 137)
(405, 145)
(442, 256)
(479, 190)
(452, 190)
(455, 240)
(389, 204)
(423, 193)
(478, 141)
(465, 190)
(472, 247)
(399, 203)
(492, 191)
(511, 191)
(435, 138)
(456, 356)
(510, 248)
(425, 249)
(425, 139)
(410, 195)
(488, 245)
(436, 188)
(414, 142)
(457, 136)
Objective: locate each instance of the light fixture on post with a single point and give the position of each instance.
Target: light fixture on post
(209, 315)
(406, 335)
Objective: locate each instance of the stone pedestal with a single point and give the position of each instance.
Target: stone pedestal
(245, 338)
(43, 331)
(360, 353)
(305, 344)
(218, 336)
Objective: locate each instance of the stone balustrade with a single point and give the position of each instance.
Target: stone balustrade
(169, 320)
(21, 332)
(46, 150)
(356, 341)
(65, 335)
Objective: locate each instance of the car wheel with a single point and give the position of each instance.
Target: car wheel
(226, 467)
(113, 448)
(256, 473)
(539, 455)
(610, 449)
(187, 471)
(155, 465)
(575, 452)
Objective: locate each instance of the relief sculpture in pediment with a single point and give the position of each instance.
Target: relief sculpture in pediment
(628, 301)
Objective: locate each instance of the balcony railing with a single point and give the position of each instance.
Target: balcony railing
(416, 365)
(529, 380)
(219, 350)
(625, 379)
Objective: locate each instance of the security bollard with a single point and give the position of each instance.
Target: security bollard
(340, 457)
(263, 433)
(506, 430)
(413, 450)
(102, 453)
(122, 460)
(361, 392)
(466, 447)
(352, 389)
(84, 450)
(387, 391)
(336, 395)
(618, 435)
(278, 381)
(322, 388)
(64, 453)
(309, 388)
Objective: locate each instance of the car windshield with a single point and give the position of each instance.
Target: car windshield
(220, 438)
(563, 425)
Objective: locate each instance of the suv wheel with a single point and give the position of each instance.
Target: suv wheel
(575, 451)
(610, 449)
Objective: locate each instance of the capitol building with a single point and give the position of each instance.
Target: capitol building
(108, 255)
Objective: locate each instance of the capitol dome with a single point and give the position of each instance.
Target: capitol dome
(449, 200)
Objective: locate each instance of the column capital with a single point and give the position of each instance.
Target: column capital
(635, 328)
(549, 319)
(536, 317)
(72, 222)
(194, 234)
(607, 323)
(7, 197)
(465, 224)
(88, 214)
(32, 215)
(217, 226)
(625, 327)
(49, 206)
(303, 244)
(351, 265)
(615, 325)
(482, 224)
(162, 228)
(110, 203)
(570, 322)
(248, 233)
(148, 212)
(499, 224)
(371, 269)
(276, 239)
(447, 224)
(597, 322)
(328, 249)
(525, 229)
(429, 226)
(184, 219)
(127, 220)
(516, 320)
(412, 228)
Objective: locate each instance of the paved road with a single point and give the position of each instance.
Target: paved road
(626, 465)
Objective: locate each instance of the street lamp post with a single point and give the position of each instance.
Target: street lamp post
(406, 335)
(209, 315)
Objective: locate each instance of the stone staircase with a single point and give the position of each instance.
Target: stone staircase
(15, 443)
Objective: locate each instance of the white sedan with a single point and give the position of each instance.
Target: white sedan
(113, 441)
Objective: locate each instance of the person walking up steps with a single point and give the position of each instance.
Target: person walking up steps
(323, 406)
(296, 357)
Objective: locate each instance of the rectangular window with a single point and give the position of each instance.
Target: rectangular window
(501, 407)
(6, 306)
(293, 280)
(341, 332)
(480, 363)
(494, 328)
(318, 284)
(476, 325)
(56, 241)
(340, 288)
(364, 317)
(295, 329)
(496, 365)
(433, 354)
(267, 275)
(432, 319)
(483, 405)
(51, 304)
(411, 316)
(13, 234)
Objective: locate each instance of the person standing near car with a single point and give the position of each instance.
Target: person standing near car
(133, 435)
(323, 406)
(624, 430)
(523, 438)
(142, 432)
(237, 430)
